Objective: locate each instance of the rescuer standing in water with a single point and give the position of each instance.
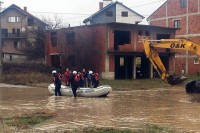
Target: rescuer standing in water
(57, 82)
(74, 80)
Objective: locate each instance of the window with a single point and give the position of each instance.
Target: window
(13, 19)
(196, 60)
(16, 45)
(121, 61)
(183, 3)
(109, 13)
(53, 39)
(13, 31)
(70, 38)
(147, 33)
(10, 57)
(124, 14)
(140, 32)
(71, 60)
(176, 23)
(30, 21)
(17, 19)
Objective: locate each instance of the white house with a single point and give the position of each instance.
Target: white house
(110, 12)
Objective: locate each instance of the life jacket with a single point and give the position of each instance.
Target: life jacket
(67, 74)
(60, 76)
(82, 76)
(77, 77)
(96, 76)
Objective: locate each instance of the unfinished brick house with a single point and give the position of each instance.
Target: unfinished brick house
(112, 49)
(183, 15)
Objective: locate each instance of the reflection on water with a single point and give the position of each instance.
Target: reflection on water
(166, 107)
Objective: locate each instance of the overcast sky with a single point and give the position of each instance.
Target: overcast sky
(75, 11)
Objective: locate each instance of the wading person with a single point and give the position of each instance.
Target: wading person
(57, 82)
(74, 79)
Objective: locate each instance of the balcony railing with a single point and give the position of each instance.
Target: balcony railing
(10, 35)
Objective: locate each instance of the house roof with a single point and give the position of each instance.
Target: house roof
(13, 6)
(11, 50)
(156, 10)
(108, 6)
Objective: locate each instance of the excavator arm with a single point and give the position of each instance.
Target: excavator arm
(152, 54)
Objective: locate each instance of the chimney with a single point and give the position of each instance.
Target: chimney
(25, 9)
(100, 5)
(104, 3)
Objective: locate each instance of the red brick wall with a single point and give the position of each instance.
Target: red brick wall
(178, 13)
(111, 63)
(180, 64)
(161, 23)
(159, 13)
(193, 6)
(90, 48)
(173, 7)
(194, 24)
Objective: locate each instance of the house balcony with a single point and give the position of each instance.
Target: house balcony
(12, 36)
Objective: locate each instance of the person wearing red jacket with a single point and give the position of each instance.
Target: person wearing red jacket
(67, 76)
(95, 80)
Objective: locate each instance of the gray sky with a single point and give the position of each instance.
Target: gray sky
(75, 11)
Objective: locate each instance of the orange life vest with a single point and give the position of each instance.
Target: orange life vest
(77, 77)
(96, 76)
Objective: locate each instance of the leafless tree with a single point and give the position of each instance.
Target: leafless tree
(53, 23)
(35, 37)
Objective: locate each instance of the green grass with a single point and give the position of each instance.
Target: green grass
(26, 120)
(148, 128)
(101, 130)
(141, 84)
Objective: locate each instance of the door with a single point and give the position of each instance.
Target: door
(123, 67)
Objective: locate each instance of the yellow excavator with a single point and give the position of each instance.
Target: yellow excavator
(181, 44)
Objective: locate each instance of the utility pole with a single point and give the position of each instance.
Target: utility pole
(1, 60)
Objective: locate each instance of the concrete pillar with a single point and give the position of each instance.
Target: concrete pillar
(187, 31)
(134, 67)
(166, 11)
(187, 61)
(151, 70)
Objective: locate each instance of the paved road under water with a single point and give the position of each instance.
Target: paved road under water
(164, 107)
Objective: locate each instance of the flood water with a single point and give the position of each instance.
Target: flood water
(164, 107)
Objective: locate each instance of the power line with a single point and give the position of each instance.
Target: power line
(91, 14)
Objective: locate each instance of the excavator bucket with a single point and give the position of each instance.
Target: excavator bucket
(175, 80)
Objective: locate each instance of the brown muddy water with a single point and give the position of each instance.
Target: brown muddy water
(170, 107)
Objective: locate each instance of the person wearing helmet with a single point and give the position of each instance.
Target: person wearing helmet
(57, 82)
(89, 78)
(74, 80)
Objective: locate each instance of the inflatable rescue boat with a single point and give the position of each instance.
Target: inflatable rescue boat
(100, 91)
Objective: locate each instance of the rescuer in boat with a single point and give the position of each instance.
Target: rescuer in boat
(84, 74)
(57, 82)
(89, 78)
(67, 76)
(74, 79)
(95, 80)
